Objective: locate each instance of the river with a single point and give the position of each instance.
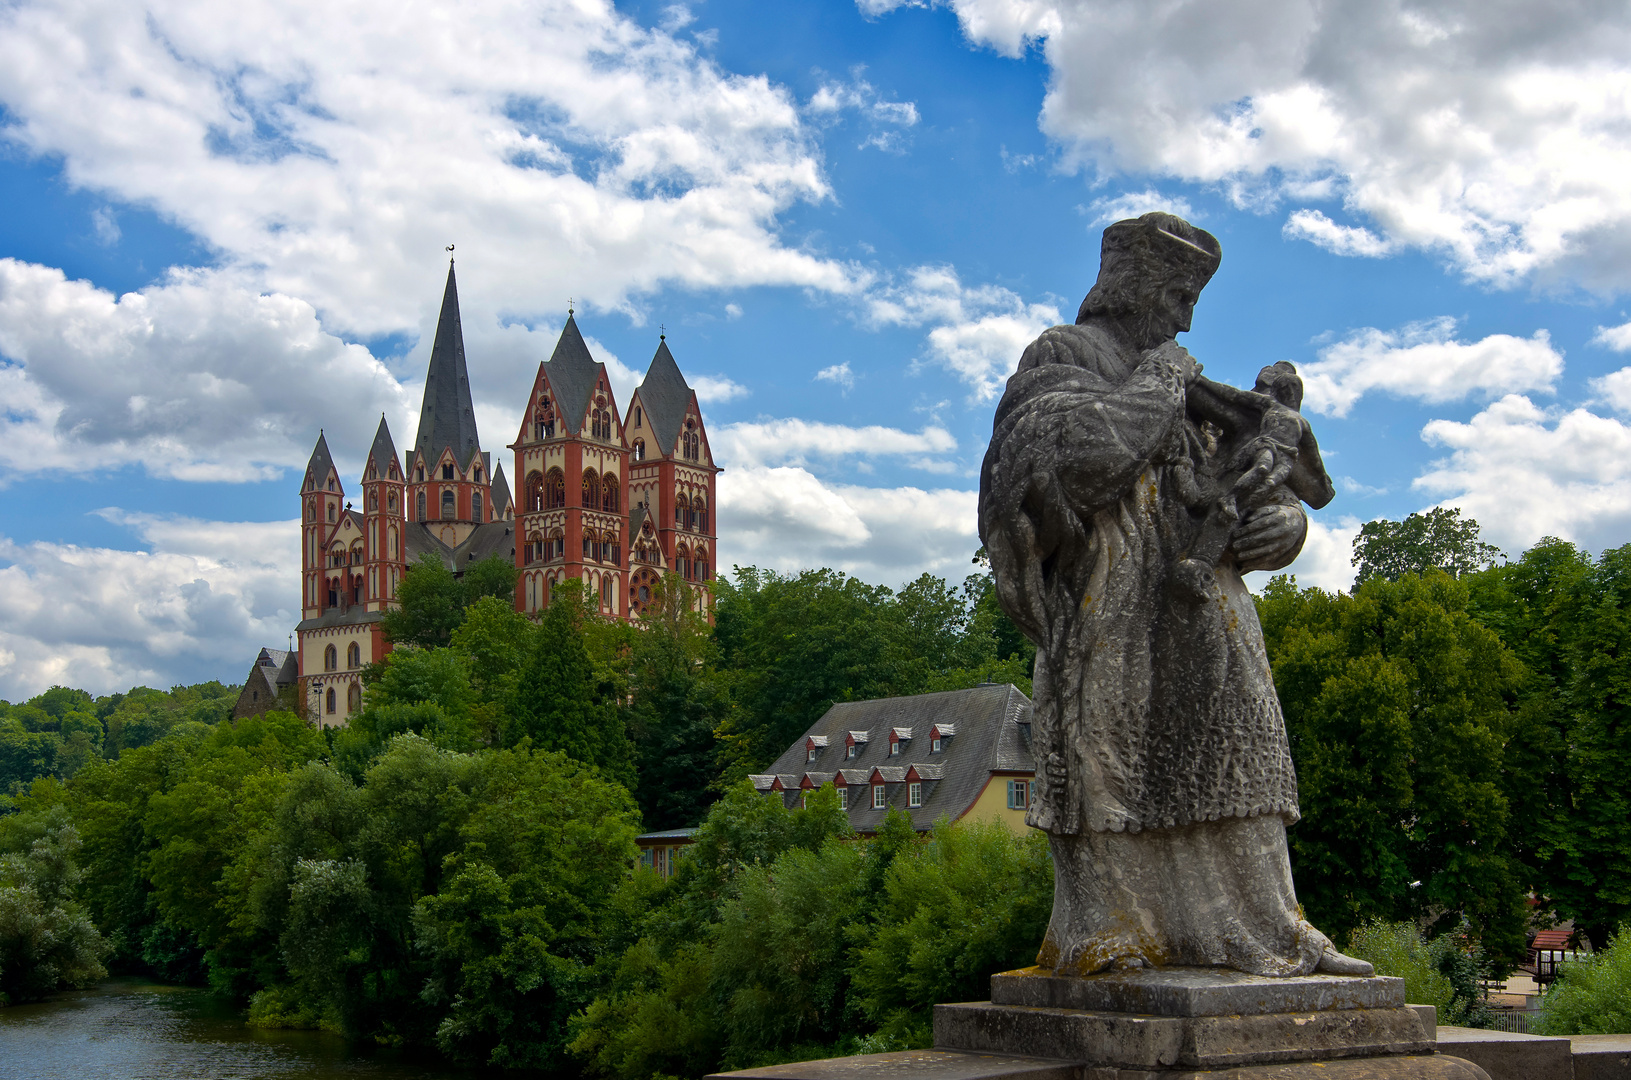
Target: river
(132, 1029)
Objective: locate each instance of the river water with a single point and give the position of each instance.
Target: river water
(131, 1029)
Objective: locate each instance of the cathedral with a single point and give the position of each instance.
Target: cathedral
(612, 498)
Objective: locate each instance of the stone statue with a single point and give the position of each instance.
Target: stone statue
(1121, 499)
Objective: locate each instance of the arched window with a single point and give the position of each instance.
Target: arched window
(699, 564)
(331, 658)
(609, 495)
(356, 554)
(392, 536)
(476, 476)
(591, 489)
(588, 542)
(639, 447)
(682, 507)
(332, 510)
(353, 700)
(637, 416)
(535, 491)
(390, 500)
(700, 505)
(373, 500)
(557, 545)
(447, 504)
(606, 593)
(447, 472)
(353, 656)
(476, 507)
(554, 490)
(311, 511)
(682, 562)
(421, 506)
(331, 699)
(331, 483)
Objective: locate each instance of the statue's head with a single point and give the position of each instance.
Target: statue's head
(1151, 271)
(1282, 383)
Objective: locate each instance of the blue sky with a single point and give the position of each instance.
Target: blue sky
(224, 231)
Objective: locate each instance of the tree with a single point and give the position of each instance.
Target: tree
(432, 601)
(46, 941)
(559, 703)
(1398, 705)
(1439, 539)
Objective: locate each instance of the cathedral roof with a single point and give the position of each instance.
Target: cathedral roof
(666, 397)
(501, 491)
(318, 468)
(447, 418)
(383, 452)
(573, 373)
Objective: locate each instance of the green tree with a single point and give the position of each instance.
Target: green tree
(46, 941)
(1439, 539)
(432, 600)
(1398, 705)
(1592, 996)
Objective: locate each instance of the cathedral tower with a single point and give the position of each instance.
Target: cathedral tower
(572, 524)
(449, 478)
(384, 494)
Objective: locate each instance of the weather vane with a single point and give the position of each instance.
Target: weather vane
(449, 250)
(569, 305)
(662, 332)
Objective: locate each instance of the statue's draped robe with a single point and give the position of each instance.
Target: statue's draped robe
(1155, 704)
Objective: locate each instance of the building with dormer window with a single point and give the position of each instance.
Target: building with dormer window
(976, 763)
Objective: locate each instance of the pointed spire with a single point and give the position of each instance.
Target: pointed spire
(447, 417)
(501, 491)
(383, 452)
(573, 373)
(320, 465)
(665, 395)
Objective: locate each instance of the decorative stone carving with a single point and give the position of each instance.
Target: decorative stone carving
(1121, 499)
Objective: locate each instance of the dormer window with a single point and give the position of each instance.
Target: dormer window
(880, 798)
(813, 747)
(914, 794)
(851, 751)
(894, 748)
(934, 745)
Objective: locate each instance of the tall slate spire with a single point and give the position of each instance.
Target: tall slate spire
(447, 417)
(319, 466)
(383, 452)
(666, 396)
(573, 372)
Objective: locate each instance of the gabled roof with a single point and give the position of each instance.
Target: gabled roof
(501, 492)
(572, 373)
(272, 658)
(320, 465)
(382, 455)
(447, 418)
(666, 397)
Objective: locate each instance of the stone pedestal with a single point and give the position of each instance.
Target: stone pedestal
(1201, 1021)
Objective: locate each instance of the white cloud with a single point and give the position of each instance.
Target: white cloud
(712, 389)
(1134, 204)
(793, 441)
(105, 223)
(1326, 560)
(195, 607)
(1317, 229)
(786, 519)
(1615, 389)
(1525, 473)
(1424, 361)
(332, 150)
(981, 331)
(198, 378)
(887, 119)
(840, 374)
(1492, 134)
(1617, 338)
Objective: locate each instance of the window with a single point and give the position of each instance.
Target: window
(475, 506)
(353, 656)
(555, 490)
(353, 699)
(331, 483)
(681, 508)
(914, 794)
(843, 798)
(637, 416)
(330, 699)
(810, 754)
(311, 511)
(588, 543)
(852, 751)
(639, 448)
(535, 491)
(934, 745)
(591, 489)
(390, 501)
(701, 508)
(606, 593)
(421, 506)
(331, 658)
(879, 799)
(332, 510)
(373, 500)
(476, 476)
(447, 472)
(1018, 792)
(419, 475)
(894, 748)
(609, 495)
(448, 512)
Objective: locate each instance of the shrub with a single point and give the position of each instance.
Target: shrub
(1591, 997)
(1442, 972)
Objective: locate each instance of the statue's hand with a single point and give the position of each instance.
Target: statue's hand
(1270, 537)
(1176, 355)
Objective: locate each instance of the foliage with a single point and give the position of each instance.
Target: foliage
(1441, 972)
(432, 601)
(1398, 704)
(1591, 996)
(47, 942)
(1437, 540)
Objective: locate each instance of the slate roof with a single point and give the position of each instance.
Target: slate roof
(993, 736)
(318, 467)
(355, 615)
(493, 538)
(666, 397)
(572, 373)
(501, 492)
(383, 453)
(284, 665)
(447, 417)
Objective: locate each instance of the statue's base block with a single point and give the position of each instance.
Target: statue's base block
(951, 1065)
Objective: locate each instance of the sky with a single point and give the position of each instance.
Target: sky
(224, 230)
